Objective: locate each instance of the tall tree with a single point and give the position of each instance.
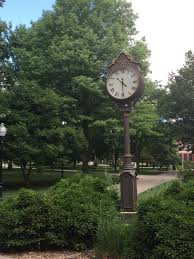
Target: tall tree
(36, 135)
(178, 102)
(144, 121)
(69, 48)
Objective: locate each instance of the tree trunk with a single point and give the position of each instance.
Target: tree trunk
(26, 173)
(85, 166)
(138, 167)
(84, 162)
(74, 164)
(153, 165)
(62, 170)
(138, 154)
(10, 165)
(115, 161)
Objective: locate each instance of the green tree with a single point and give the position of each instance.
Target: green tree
(108, 140)
(164, 148)
(36, 135)
(2, 2)
(144, 123)
(6, 72)
(178, 103)
(69, 48)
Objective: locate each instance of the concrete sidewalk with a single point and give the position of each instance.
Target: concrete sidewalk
(146, 182)
(5, 257)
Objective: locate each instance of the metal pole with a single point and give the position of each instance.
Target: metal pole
(128, 184)
(1, 152)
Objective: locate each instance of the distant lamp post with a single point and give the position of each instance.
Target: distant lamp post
(3, 131)
(63, 123)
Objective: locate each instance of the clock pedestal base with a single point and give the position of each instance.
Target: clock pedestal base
(128, 185)
(128, 190)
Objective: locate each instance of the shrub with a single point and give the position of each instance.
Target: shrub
(165, 225)
(114, 237)
(23, 220)
(67, 216)
(77, 207)
(174, 188)
(186, 172)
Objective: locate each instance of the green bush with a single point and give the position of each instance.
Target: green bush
(78, 204)
(175, 188)
(66, 216)
(165, 226)
(113, 238)
(186, 172)
(23, 220)
(163, 229)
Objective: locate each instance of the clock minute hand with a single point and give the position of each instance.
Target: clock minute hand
(123, 83)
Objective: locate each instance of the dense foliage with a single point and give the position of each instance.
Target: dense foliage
(64, 55)
(65, 217)
(165, 224)
(55, 71)
(177, 102)
(163, 228)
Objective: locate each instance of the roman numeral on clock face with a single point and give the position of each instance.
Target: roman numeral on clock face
(123, 95)
(112, 90)
(133, 88)
(116, 94)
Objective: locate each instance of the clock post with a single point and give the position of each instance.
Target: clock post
(128, 185)
(125, 86)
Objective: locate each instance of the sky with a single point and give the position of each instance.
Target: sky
(24, 11)
(166, 24)
(168, 28)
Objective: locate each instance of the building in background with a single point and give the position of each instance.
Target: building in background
(185, 151)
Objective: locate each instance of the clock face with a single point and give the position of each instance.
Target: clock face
(123, 83)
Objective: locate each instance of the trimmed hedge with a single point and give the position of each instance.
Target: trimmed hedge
(165, 225)
(163, 228)
(23, 220)
(67, 216)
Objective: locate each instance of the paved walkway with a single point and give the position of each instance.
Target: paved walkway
(145, 182)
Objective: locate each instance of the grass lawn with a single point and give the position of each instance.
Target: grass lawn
(42, 180)
(154, 191)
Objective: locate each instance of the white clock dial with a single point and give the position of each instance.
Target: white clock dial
(122, 83)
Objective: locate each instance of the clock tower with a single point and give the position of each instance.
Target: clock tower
(125, 86)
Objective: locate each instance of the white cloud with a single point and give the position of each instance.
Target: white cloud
(168, 28)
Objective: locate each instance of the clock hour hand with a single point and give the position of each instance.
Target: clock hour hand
(121, 82)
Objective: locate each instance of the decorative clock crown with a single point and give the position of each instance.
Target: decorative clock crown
(122, 60)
